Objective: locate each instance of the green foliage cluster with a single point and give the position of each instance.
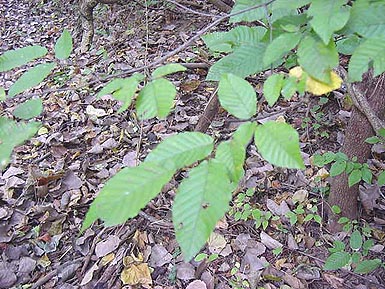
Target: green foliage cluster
(354, 255)
(307, 33)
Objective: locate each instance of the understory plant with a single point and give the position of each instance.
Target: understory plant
(296, 43)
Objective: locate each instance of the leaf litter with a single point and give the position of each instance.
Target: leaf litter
(52, 178)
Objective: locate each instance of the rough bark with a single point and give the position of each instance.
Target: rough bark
(358, 129)
(87, 20)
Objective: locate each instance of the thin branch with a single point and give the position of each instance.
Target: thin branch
(191, 10)
(361, 102)
(159, 60)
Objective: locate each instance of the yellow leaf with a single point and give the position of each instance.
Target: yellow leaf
(136, 275)
(314, 86)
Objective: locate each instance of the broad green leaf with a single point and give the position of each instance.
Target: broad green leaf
(280, 46)
(336, 261)
(167, 69)
(367, 19)
(317, 59)
(272, 88)
(337, 168)
(289, 87)
(123, 89)
(278, 143)
(381, 178)
(370, 51)
(29, 109)
(244, 133)
(366, 175)
(31, 78)
(348, 45)
(201, 201)
(238, 36)
(126, 193)
(354, 177)
(373, 140)
(245, 61)
(232, 155)
(367, 266)
(13, 134)
(237, 96)
(63, 46)
(338, 246)
(248, 16)
(182, 149)
(156, 99)
(14, 58)
(2, 93)
(355, 241)
(328, 17)
(293, 4)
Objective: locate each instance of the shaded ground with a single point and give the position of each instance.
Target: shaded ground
(46, 190)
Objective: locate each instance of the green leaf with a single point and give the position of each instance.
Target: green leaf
(245, 61)
(156, 99)
(248, 16)
(328, 17)
(29, 109)
(355, 241)
(289, 87)
(317, 59)
(338, 246)
(373, 140)
(126, 193)
(14, 58)
(367, 19)
(63, 46)
(31, 78)
(201, 201)
(2, 93)
(337, 168)
(293, 4)
(371, 50)
(354, 177)
(337, 261)
(366, 175)
(244, 133)
(20, 132)
(272, 88)
(348, 45)
(381, 178)
(123, 89)
(381, 132)
(237, 96)
(167, 69)
(182, 149)
(280, 46)
(367, 266)
(232, 156)
(238, 36)
(278, 143)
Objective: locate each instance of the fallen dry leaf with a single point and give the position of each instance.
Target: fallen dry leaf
(105, 247)
(136, 275)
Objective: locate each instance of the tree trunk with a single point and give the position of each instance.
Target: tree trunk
(87, 20)
(357, 131)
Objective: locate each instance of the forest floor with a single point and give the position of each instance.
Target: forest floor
(52, 179)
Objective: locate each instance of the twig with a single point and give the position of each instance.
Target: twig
(53, 273)
(361, 102)
(92, 249)
(161, 59)
(191, 10)
(156, 222)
